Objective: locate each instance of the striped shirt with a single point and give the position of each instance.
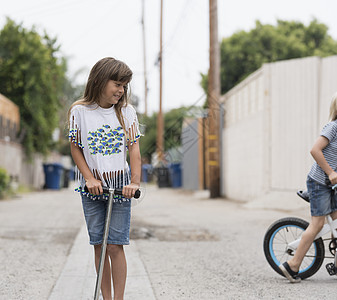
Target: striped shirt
(330, 153)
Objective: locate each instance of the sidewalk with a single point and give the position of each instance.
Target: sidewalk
(78, 278)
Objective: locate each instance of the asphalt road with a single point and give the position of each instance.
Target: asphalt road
(191, 247)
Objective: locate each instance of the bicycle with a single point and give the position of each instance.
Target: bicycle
(283, 237)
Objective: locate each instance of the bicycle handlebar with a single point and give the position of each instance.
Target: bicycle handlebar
(328, 183)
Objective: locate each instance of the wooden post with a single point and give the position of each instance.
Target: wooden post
(213, 100)
(144, 52)
(160, 120)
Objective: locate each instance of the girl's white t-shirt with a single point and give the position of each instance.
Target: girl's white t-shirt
(104, 143)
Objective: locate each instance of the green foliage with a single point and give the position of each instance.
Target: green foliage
(173, 121)
(148, 141)
(71, 93)
(4, 182)
(245, 52)
(173, 126)
(32, 76)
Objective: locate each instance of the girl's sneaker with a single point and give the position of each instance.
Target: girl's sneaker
(289, 273)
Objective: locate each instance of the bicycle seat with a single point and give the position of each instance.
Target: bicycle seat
(304, 195)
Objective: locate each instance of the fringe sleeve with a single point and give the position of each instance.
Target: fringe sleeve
(133, 132)
(74, 128)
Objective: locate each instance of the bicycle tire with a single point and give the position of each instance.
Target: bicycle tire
(280, 234)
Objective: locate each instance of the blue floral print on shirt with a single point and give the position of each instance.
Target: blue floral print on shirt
(105, 140)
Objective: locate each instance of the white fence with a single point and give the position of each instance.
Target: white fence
(272, 119)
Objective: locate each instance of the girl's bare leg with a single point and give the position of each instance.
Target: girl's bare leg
(119, 270)
(106, 277)
(334, 215)
(306, 241)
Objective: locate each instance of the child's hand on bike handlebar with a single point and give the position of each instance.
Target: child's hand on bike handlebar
(333, 178)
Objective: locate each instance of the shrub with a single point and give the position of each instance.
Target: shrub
(4, 182)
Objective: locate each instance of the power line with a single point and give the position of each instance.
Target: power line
(55, 7)
(182, 16)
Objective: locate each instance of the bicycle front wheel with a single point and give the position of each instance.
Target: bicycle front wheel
(277, 238)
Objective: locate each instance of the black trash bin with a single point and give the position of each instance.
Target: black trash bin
(66, 177)
(163, 177)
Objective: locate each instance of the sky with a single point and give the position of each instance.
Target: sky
(88, 30)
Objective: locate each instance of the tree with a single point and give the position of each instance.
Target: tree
(172, 131)
(71, 92)
(245, 52)
(32, 75)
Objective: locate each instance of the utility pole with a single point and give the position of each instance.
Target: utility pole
(160, 120)
(213, 101)
(144, 51)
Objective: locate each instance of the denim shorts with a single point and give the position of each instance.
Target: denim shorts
(322, 200)
(95, 213)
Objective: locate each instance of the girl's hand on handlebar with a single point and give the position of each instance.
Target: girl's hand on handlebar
(94, 186)
(333, 178)
(129, 190)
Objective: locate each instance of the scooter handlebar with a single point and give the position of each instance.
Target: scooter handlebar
(119, 191)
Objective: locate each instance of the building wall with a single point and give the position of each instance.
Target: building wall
(9, 119)
(272, 119)
(13, 158)
(190, 139)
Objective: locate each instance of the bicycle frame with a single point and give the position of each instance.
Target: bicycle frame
(331, 226)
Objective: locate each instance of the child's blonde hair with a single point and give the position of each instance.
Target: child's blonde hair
(104, 70)
(333, 108)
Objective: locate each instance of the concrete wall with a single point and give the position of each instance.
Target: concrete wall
(271, 122)
(13, 159)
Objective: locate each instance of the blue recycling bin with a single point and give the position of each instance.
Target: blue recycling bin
(53, 174)
(72, 174)
(147, 172)
(175, 175)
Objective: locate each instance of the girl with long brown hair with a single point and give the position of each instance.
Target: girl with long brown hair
(102, 127)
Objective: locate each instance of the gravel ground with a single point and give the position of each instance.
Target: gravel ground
(192, 247)
(199, 248)
(37, 231)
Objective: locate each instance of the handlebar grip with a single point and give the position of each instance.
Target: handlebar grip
(137, 194)
(328, 183)
(120, 192)
(116, 191)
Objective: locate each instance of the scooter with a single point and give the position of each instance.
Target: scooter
(111, 193)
